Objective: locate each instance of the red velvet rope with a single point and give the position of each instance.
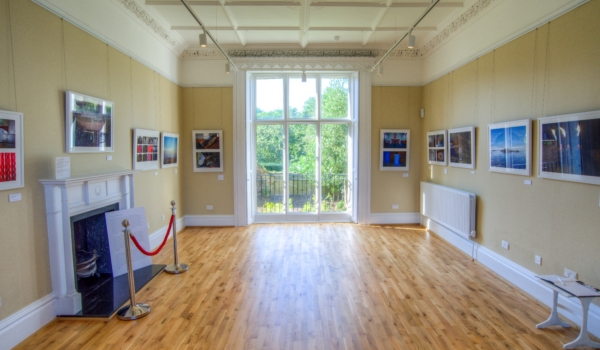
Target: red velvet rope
(144, 251)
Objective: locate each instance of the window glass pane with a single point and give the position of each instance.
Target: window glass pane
(269, 174)
(269, 98)
(303, 98)
(334, 97)
(334, 167)
(303, 168)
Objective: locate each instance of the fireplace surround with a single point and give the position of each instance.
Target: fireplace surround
(66, 198)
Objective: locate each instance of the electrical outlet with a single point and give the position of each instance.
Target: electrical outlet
(472, 171)
(505, 245)
(209, 207)
(445, 171)
(148, 224)
(156, 173)
(570, 274)
(395, 206)
(108, 157)
(405, 174)
(175, 171)
(221, 177)
(538, 260)
(163, 217)
(527, 182)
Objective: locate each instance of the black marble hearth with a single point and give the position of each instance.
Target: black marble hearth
(103, 296)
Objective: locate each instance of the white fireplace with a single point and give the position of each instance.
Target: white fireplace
(64, 199)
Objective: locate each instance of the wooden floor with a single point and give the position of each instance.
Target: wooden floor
(319, 286)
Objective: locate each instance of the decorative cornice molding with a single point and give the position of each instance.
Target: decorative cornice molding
(303, 53)
(458, 23)
(204, 53)
(141, 13)
(295, 54)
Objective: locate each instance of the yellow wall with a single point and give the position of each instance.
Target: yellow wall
(42, 56)
(207, 109)
(396, 107)
(553, 70)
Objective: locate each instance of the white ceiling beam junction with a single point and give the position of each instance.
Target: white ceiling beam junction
(304, 22)
(378, 19)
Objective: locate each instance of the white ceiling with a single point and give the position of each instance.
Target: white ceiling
(360, 24)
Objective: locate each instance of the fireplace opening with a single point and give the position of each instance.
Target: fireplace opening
(101, 293)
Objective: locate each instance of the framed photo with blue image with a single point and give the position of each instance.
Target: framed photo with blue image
(169, 154)
(510, 147)
(394, 150)
(569, 147)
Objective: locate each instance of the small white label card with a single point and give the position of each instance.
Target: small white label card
(116, 239)
(63, 167)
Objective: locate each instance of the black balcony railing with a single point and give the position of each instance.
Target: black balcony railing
(302, 193)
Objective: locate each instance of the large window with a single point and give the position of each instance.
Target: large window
(302, 147)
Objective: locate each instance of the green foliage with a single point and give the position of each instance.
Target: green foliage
(269, 144)
(335, 99)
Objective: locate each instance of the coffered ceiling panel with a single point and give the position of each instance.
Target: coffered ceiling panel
(303, 23)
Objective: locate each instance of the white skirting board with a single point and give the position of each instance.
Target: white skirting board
(209, 220)
(519, 276)
(394, 218)
(157, 237)
(20, 325)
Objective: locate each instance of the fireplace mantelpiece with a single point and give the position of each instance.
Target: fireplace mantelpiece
(69, 197)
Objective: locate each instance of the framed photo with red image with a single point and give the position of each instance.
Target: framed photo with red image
(11, 150)
(145, 149)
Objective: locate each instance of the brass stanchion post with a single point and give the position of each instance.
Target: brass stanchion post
(176, 267)
(134, 310)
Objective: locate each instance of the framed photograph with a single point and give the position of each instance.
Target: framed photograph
(145, 149)
(394, 150)
(207, 150)
(461, 143)
(170, 150)
(89, 124)
(569, 147)
(437, 147)
(11, 150)
(510, 147)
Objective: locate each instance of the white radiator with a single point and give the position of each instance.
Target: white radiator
(452, 208)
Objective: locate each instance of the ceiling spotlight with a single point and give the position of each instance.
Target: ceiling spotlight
(227, 67)
(203, 40)
(380, 70)
(303, 77)
(411, 41)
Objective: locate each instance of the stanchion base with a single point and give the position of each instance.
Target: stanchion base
(129, 313)
(175, 269)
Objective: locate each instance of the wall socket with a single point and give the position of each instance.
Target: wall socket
(505, 245)
(209, 207)
(570, 273)
(395, 206)
(538, 260)
(163, 218)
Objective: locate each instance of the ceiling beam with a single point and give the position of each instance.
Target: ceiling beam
(299, 4)
(304, 22)
(378, 19)
(315, 29)
(233, 22)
